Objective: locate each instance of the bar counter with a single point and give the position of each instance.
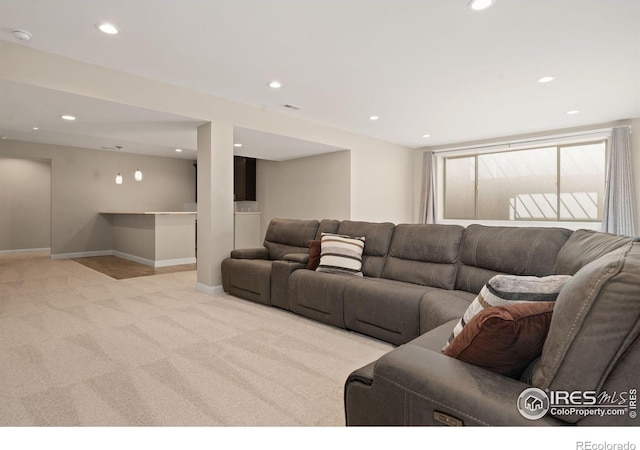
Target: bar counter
(157, 239)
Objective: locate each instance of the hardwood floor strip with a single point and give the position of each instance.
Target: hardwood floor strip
(121, 269)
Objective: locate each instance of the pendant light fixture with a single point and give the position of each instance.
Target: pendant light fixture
(138, 175)
(119, 177)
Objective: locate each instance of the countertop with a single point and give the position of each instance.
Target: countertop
(157, 213)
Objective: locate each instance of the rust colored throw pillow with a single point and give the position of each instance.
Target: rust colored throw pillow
(503, 290)
(314, 255)
(504, 339)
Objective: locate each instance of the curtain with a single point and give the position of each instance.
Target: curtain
(619, 200)
(428, 194)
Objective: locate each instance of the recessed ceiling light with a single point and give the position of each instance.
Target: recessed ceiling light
(67, 117)
(275, 84)
(426, 135)
(573, 111)
(108, 28)
(179, 150)
(35, 128)
(237, 145)
(22, 35)
(545, 79)
(373, 117)
(480, 5)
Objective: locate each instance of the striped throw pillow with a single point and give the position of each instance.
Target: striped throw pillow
(505, 290)
(341, 254)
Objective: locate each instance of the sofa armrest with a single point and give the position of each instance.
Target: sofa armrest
(302, 258)
(250, 253)
(280, 273)
(411, 383)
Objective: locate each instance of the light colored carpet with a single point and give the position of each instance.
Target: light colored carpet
(79, 348)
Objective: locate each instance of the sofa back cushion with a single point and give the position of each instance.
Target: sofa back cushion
(488, 251)
(376, 245)
(424, 254)
(595, 324)
(286, 236)
(327, 226)
(583, 247)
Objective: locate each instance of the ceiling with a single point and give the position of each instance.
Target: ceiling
(99, 125)
(104, 125)
(423, 66)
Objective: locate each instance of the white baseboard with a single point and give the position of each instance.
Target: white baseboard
(175, 262)
(134, 258)
(81, 254)
(130, 257)
(211, 290)
(152, 263)
(22, 251)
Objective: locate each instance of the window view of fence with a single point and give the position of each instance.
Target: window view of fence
(556, 183)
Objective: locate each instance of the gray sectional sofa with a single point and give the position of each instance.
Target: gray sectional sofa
(418, 281)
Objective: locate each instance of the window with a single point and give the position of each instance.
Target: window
(551, 183)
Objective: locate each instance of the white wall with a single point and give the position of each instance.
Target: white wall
(635, 148)
(370, 185)
(83, 184)
(381, 185)
(317, 187)
(25, 204)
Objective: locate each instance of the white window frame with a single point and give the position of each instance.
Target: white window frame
(548, 141)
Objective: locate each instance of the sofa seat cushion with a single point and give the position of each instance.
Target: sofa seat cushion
(585, 246)
(400, 284)
(487, 251)
(424, 254)
(385, 309)
(440, 306)
(420, 272)
(319, 295)
(433, 339)
(504, 339)
(248, 278)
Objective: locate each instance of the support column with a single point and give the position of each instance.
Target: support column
(215, 203)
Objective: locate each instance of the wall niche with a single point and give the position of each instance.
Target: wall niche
(244, 179)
